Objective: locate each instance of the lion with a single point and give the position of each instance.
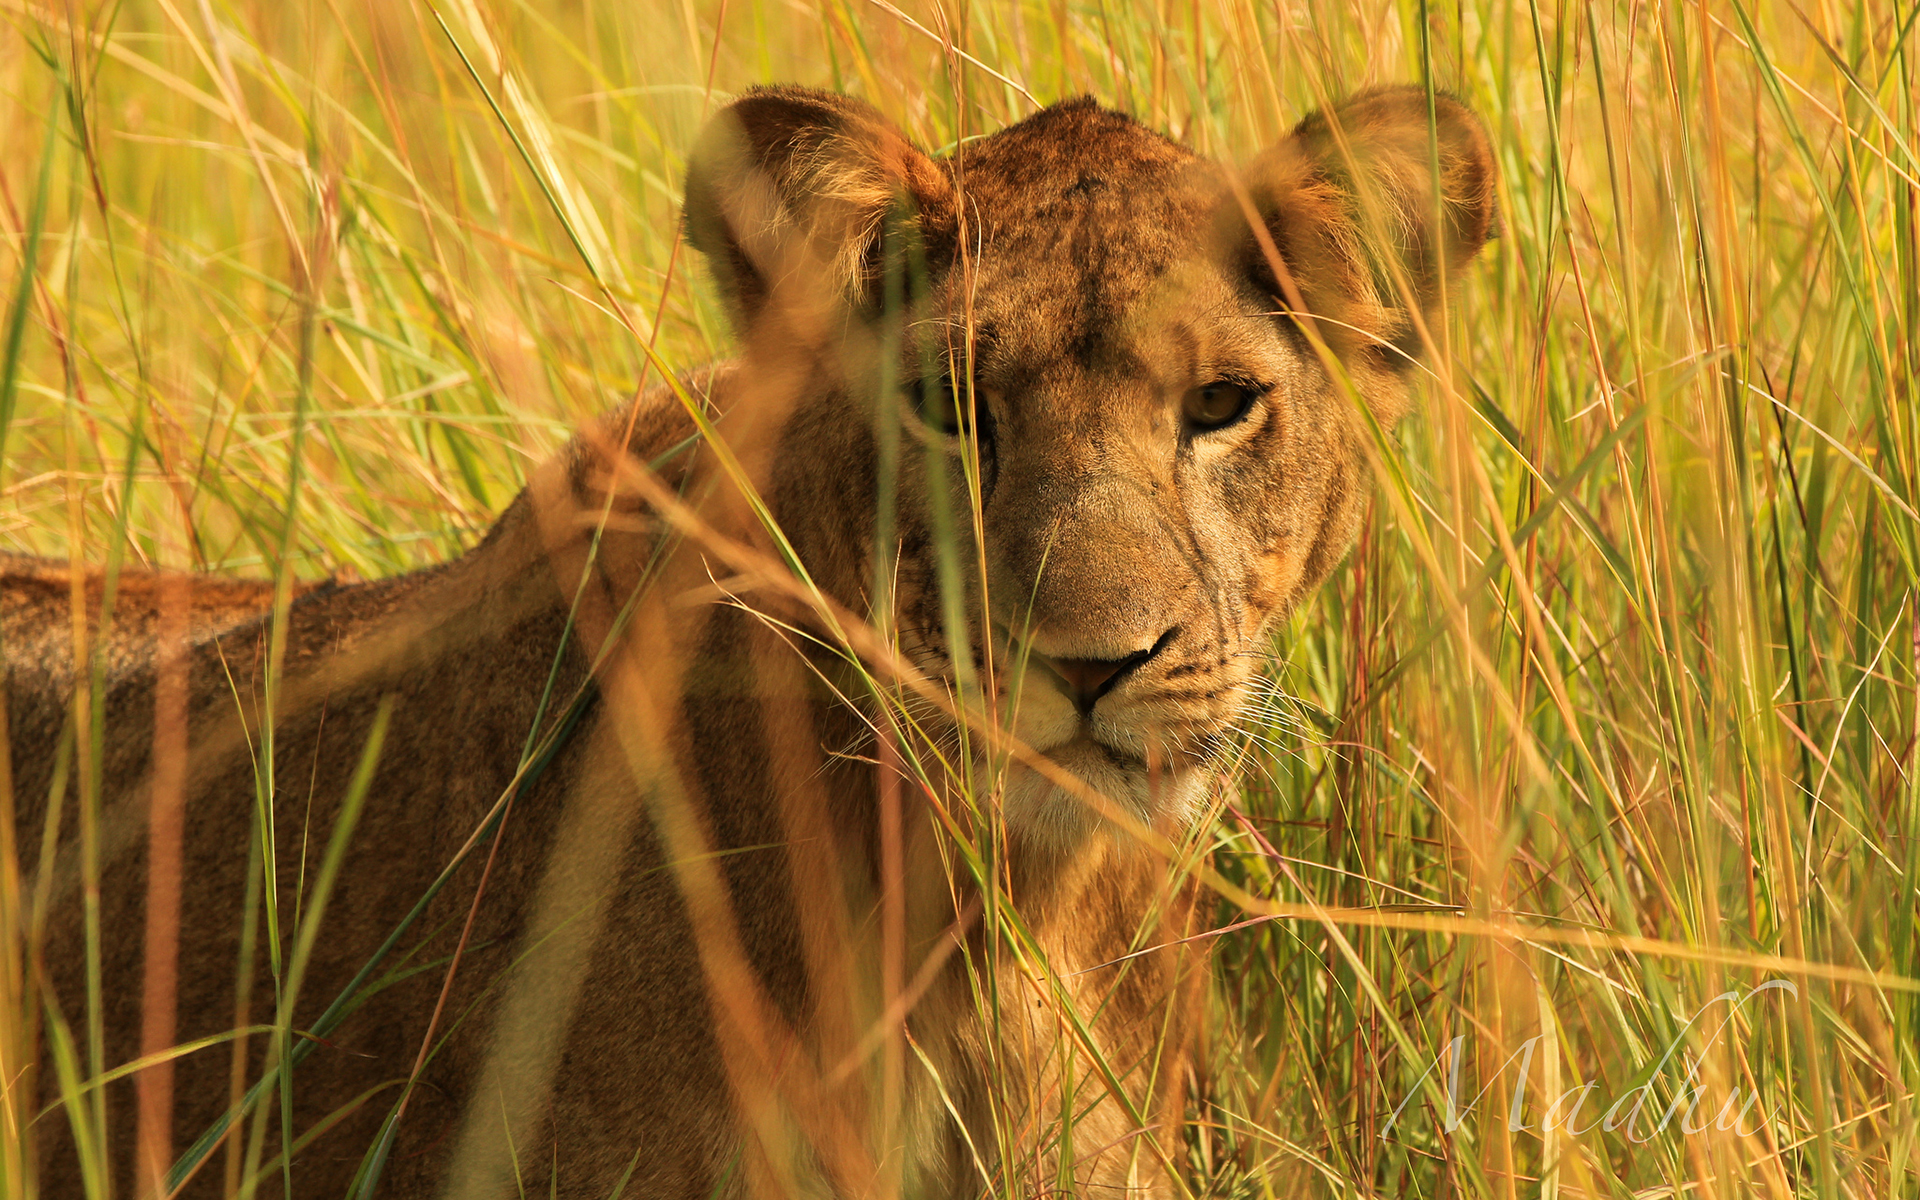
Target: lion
(795, 791)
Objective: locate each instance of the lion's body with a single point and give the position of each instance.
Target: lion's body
(709, 906)
(469, 648)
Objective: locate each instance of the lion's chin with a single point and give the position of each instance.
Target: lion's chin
(1040, 809)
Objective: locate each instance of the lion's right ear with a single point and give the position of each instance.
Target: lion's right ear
(793, 187)
(1349, 202)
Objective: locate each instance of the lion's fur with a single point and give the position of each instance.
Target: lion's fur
(683, 942)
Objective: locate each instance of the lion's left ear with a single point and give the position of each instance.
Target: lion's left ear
(1349, 201)
(789, 187)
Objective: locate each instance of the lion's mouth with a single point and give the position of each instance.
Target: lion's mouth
(1084, 744)
(1104, 782)
(1114, 719)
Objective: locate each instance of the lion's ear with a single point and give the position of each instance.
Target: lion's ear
(1348, 199)
(792, 187)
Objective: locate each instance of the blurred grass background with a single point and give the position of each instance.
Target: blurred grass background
(1624, 664)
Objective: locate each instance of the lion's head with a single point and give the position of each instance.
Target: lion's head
(1110, 400)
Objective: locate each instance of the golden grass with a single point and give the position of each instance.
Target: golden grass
(1623, 669)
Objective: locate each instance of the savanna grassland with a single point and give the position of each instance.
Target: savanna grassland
(1590, 778)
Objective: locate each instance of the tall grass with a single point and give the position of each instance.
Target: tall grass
(1611, 713)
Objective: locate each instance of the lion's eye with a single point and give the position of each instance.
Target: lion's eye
(1216, 405)
(941, 405)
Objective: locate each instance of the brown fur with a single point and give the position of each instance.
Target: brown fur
(36, 606)
(697, 920)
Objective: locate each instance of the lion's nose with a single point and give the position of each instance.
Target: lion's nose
(1088, 679)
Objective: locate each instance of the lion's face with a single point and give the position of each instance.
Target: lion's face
(1135, 461)
(1159, 458)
